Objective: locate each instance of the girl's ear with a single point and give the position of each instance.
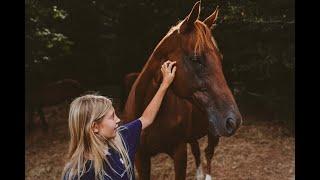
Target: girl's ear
(95, 127)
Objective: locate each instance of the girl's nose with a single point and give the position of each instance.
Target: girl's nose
(118, 123)
(118, 120)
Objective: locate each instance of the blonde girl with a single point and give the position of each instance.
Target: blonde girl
(99, 148)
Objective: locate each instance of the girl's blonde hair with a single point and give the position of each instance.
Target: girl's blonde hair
(84, 111)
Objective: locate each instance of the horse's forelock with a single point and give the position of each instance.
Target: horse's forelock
(199, 36)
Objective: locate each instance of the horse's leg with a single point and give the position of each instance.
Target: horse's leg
(143, 165)
(209, 151)
(180, 161)
(196, 154)
(44, 123)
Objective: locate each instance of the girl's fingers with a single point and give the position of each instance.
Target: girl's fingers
(167, 66)
(171, 64)
(166, 63)
(174, 70)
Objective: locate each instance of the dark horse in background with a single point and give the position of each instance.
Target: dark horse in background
(49, 95)
(198, 101)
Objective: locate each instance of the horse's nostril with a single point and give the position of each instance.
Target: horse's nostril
(230, 125)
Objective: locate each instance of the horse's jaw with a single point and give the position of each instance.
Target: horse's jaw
(214, 121)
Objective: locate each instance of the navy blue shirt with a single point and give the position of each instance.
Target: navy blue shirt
(131, 136)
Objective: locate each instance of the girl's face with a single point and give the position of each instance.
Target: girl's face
(108, 125)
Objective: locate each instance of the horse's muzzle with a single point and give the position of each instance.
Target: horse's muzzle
(220, 126)
(231, 126)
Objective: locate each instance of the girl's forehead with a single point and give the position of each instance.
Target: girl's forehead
(110, 112)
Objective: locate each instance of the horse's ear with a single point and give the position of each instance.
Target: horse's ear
(188, 22)
(211, 20)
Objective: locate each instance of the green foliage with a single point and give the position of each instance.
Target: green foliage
(59, 13)
(43, 41)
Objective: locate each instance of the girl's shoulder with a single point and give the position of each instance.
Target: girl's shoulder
(131, 135)
(134, 123)
(132, 128)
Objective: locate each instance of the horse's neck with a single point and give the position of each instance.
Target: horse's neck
(141, 92)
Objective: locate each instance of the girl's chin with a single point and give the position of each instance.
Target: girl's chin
(114, 134)
(111, 136)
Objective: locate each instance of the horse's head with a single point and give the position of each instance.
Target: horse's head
(199, 75)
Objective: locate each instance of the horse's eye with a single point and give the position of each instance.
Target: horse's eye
(197, 59)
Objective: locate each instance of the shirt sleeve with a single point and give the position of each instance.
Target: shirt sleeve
(131, 134)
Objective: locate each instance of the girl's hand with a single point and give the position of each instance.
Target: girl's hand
(168, 73)
(149, 114)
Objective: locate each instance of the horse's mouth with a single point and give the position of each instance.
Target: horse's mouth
(213, 130)
(213, 124)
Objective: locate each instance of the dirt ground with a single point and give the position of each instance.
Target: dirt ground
(259, 150)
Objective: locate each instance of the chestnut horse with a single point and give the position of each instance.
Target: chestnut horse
(198, 101)
(195, 149)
